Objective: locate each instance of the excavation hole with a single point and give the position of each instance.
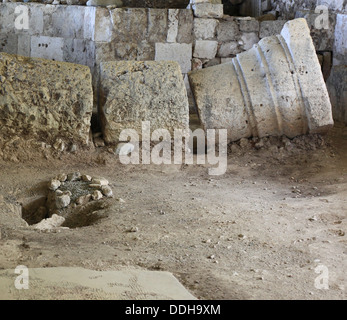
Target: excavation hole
(71, 200)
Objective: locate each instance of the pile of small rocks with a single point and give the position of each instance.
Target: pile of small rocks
(74, 189)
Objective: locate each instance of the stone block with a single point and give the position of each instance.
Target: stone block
(205, 49)
(68, 22)
(340, 44)
(270, 28)
(227, 49)
(250, 25)
(208, 10)
(179, 52)
(103, 26)
(157, 28)
(45, 100)
(249, 39)
(185, 26)
(9, 43)
(172, 25)
(51, 48)
(135, 91)
(228, 31)
(129, 23)
(79, 51)
(337, 88)
(205, 29)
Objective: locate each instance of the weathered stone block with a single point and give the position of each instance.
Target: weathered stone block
(129, 23)
(205, 49)
(179, 52)
(208, 10)
(249, 39)
(270, 28)
(251, 25)
(340, 45)
(157, 25)
(185, 26)
(205, 29)
(79, 51)
(136, 91)
(45, 100)
(228, 48)
(172, 25)
(228, 31)
(9, 43)
(51, 48)
(103, 26)
(337, 88)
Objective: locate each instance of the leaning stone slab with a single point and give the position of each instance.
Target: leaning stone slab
(275, 88)
(45, 100)
(136, 91)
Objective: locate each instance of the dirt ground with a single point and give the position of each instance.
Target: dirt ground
(257, 232)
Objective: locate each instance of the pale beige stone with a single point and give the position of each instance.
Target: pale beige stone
(136, 91)
(45, 100)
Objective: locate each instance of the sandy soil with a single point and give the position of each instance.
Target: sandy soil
(257, 232)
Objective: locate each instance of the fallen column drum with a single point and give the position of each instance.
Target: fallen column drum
(275, 88)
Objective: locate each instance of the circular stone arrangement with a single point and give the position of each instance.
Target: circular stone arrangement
(74, 189)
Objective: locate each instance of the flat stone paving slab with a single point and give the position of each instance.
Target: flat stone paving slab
(66, 283)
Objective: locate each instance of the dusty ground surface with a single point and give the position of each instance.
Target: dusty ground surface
(257, 232)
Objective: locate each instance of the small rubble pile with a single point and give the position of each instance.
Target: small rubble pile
(73, 200)
(74, 189)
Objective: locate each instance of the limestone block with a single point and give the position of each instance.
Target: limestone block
(185, 26)
(275, 88)
(270, 28)
(208, 10)
(157, 25)
(206, 49)
(51, 48)
(79, 51)
(172, 25)
(340, 45)
(104, 3)
(64, 22)
(228, 31)
(249, 39)
(9, 43)
(24, 46)
(103, 25)
(136, 91)
(205, 29)
(337, 88)
(251, 25)
(45, 100)
(129, 23)
(228, 48)
(179, 52)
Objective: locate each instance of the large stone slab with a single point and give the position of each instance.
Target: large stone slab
(136, 91)
(45, 100)
(64, 283)
(275, 88)
(337, 87)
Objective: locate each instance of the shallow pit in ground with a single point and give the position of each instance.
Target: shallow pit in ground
(70, 200)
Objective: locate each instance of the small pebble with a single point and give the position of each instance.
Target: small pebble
(54, 184)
